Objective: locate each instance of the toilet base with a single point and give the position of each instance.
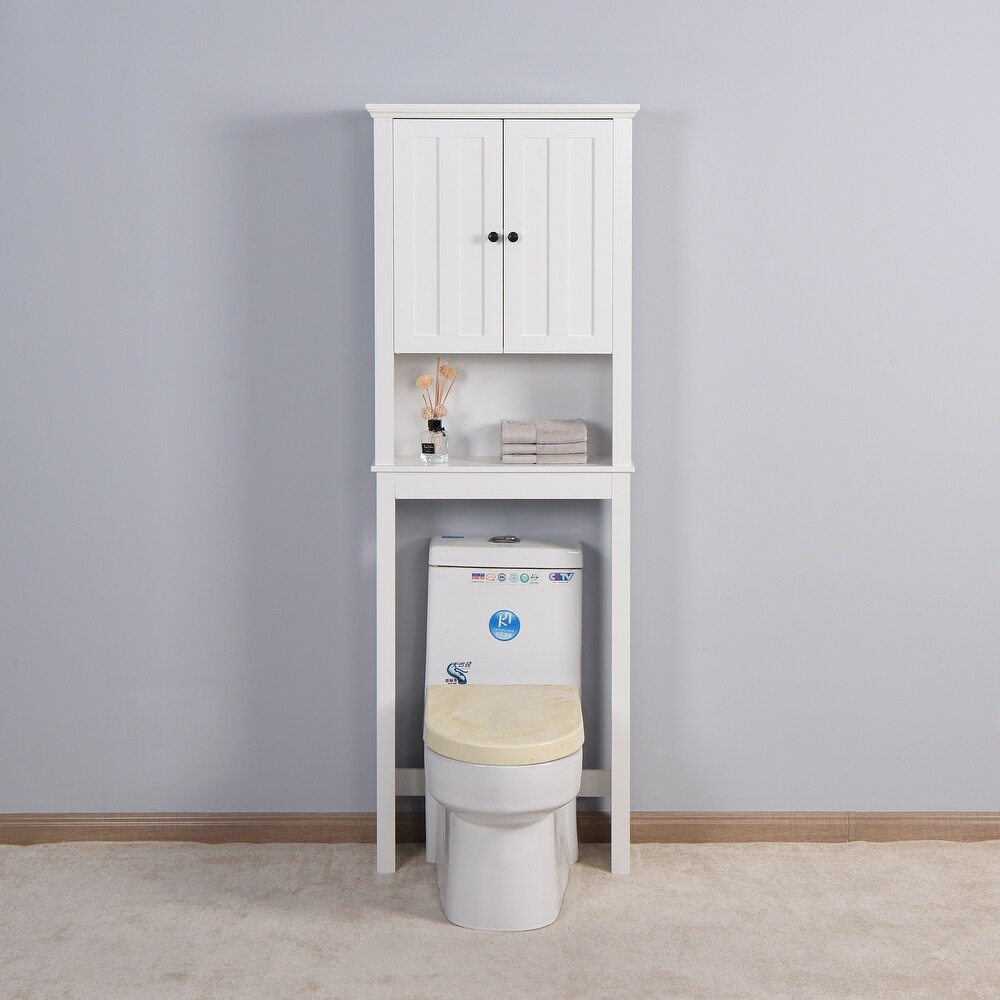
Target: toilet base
(434, 817)
(520, 888)
(503, 838)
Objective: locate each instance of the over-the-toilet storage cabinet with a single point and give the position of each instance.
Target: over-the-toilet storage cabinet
(503, 229)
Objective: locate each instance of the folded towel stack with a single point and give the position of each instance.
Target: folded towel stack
(543, 442)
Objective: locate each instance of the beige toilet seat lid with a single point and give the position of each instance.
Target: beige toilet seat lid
(503, 723)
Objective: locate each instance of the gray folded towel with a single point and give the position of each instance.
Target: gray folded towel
(562, 449)
(517, 432)
(544, 449)
(543, 459)
(560, 431)
(543, 431)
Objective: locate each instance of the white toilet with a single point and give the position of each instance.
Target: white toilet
(503, 726)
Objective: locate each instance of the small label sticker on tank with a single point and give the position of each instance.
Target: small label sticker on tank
(479, 577)
(457, 671)
(504, 625)
(561, 577)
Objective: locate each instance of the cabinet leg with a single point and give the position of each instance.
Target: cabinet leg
(620, 674)
(385, 675)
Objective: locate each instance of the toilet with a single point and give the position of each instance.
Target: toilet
(503, 726)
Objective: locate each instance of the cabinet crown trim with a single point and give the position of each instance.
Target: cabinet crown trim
(502, 110)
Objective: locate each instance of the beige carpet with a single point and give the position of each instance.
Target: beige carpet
(719, 921)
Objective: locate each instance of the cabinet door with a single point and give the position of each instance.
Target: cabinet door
(559, 201)
(447, 198)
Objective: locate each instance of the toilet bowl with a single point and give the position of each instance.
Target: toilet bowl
(503, 727)
(502, 765)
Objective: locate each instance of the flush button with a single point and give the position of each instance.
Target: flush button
(505, 539)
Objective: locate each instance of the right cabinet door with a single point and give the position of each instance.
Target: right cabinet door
(558, 190)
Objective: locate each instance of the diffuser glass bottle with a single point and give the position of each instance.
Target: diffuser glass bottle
(434, 443)
(434, 391)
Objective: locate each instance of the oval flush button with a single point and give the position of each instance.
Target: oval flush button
(505, 539)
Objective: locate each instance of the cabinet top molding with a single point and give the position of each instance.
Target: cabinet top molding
(502, 110)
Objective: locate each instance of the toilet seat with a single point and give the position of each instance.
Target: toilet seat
(504, 724)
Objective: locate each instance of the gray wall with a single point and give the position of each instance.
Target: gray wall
(186, 512)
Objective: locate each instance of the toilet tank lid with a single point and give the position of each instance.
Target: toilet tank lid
(517, 553)
(503, 723)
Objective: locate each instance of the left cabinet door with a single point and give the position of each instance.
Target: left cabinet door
(447, 197)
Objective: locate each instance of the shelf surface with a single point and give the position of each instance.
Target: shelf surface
(413, 464)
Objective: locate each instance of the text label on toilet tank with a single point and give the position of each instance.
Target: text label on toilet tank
(561, 577)
(457, 671)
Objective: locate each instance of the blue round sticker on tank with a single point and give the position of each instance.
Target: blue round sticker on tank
(504, 625)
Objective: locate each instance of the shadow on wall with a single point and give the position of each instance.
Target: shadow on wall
(662, 768)
(304, 245)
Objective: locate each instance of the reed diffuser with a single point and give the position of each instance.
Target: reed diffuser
(435, 390)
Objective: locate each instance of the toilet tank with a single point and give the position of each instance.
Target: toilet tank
(504, 611)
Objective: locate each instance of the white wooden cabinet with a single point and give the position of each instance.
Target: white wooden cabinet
(503, 236)
(560, 178)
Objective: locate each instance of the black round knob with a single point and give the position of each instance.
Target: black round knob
(493, 237)
(512, 237)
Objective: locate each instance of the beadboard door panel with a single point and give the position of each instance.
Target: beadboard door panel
(447, 198)
(559, 201)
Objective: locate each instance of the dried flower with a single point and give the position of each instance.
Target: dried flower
(436, 388)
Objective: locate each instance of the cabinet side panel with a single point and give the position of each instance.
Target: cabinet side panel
(622, 299)
(384, 388)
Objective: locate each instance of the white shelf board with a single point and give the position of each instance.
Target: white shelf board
(412, 464)
(489, 479)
